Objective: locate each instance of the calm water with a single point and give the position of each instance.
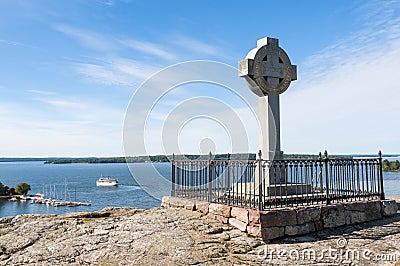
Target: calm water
(82, 179)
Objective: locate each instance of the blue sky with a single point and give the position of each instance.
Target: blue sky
(69, 69)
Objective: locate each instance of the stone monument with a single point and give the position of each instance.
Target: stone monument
(268, 72)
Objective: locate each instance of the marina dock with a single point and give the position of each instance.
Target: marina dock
(57, 203)
(46, 201)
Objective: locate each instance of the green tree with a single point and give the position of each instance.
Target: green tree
(396, 165)
(385, 165)
(22, 188)
(2, 189)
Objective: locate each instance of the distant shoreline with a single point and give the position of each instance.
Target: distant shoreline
(168, 158)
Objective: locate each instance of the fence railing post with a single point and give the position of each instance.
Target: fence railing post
(320, 172)
(173, 176)
(210, 172)
(228, 184)
(381, 190)
(326, 160)
(260, 182)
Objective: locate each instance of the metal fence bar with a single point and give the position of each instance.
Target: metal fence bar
(210, 172)
(173, 176)
(381, 190)
(260, 181)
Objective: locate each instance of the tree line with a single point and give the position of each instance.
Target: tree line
(20, 189)
(168, 158)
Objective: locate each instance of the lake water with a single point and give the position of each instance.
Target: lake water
(82, 179)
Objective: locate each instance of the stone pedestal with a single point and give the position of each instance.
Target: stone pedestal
(275, 223)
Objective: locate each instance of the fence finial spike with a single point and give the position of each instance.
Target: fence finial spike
(259, 154)
(320, 155)
(209, 155)
(173, 156)
(326, 154)
(229, 156)
(380, 154)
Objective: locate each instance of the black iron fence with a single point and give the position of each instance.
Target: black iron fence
(261, 184)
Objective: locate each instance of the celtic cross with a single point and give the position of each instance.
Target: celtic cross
(268, 72)
(267, 68)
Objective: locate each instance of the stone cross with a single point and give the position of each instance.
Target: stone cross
(268, 72)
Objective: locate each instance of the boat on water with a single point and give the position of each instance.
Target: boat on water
(23, 198)
(106, 182)
(39, 196)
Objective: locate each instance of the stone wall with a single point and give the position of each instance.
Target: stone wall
(281, 222)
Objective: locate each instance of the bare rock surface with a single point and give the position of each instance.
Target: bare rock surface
(128, 236)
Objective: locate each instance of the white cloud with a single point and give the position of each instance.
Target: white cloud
(61, 128)
(381, 34)
(16, 44)
(116, 71)
(41, 92)
(346, 99)
(87, 38)
(109, 3)
(60, 103)
(100, 42)
(8, 42)
(196, 46)
(149, 48)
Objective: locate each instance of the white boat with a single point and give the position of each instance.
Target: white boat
(23, 198)
(106, 182)
(39, 196)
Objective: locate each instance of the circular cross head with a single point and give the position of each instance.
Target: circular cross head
(267, 68)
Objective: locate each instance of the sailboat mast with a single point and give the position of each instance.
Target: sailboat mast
(65, 188)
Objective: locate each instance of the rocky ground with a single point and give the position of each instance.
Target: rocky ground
(126, 236)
